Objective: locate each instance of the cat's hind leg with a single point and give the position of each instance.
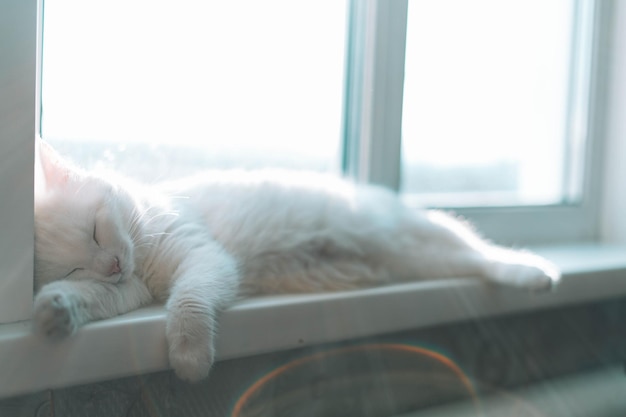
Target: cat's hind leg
(453, 248)
(519, 268)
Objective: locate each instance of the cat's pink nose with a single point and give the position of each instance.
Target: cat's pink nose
(115, 267)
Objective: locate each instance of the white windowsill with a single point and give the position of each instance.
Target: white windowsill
(135, 343)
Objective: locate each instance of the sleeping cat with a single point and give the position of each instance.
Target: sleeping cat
(105, 245)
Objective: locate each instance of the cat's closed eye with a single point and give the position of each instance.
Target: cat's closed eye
(73, 270)
(95, 239)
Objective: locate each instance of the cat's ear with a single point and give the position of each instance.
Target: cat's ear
(51, 170)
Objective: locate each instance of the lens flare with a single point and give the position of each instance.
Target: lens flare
(256, 387)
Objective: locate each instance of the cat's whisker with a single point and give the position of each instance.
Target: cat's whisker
(138, 217)
(156, 216)
(145, 245)
(80, 188)
(149, 239)
(135, 222)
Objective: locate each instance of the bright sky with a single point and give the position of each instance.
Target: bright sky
(486, 80)
(231, 74)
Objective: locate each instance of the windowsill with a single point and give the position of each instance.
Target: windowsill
(135, 342)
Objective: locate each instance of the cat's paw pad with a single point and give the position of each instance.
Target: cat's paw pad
(54, 316)
(191, 361)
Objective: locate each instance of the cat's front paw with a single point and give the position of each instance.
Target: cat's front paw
(191, 363)
(54, 315)
(191, 350)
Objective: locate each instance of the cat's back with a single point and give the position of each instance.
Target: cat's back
(244, 207)
(281, 193)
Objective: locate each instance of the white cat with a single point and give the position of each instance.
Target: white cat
(105, 246)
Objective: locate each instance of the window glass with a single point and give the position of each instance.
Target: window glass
(486, 114)
(155, 87)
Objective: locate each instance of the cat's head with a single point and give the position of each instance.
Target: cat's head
(82, 224)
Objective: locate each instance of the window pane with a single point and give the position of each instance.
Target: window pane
(179, 86)
(487, 90)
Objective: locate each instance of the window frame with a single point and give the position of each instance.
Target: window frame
(18, 123)
(373, 124)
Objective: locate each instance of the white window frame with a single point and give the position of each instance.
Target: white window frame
(18, 124)
(612, 167)
(373, 126)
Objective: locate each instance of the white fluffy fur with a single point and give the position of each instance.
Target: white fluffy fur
(105, 246)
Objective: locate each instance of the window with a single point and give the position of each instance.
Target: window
(487, 113)
(480, 106)
(194, 84)
(85, 98)
(386, 142)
